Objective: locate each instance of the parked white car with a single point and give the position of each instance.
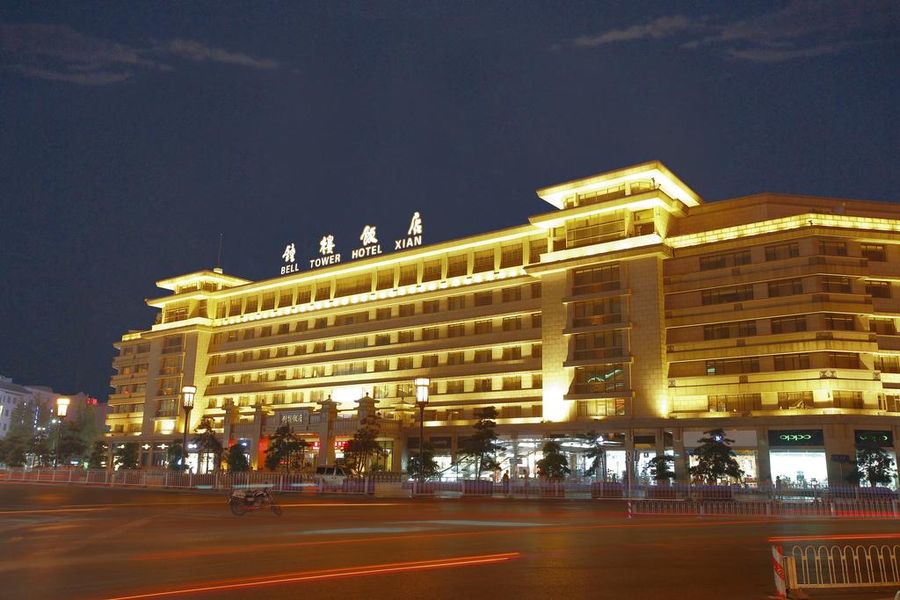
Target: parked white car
(331, 475)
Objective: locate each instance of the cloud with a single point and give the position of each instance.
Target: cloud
(59, 53)
(198, 52)
(656, 29)
(799, 29)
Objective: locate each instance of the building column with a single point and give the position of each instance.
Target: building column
(514, 461)
(839, 439)
(763, 463)
(630, 457)
(328, 414)
(682, 475)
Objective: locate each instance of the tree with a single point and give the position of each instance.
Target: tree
(715, 458)
(660, 469)
(872, 464)
(554, 466)
(207, 443)
(127, 456)
(236, 459)
(596, 453)
(429, 467)
(70, 443)
(482, 447)
(98, 455)
(363, 451)
(175, 457)
(15, 446)
(285, 450)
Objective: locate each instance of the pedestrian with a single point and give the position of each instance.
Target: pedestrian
(505, 482)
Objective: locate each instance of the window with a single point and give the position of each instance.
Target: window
(483, 356)
(431, 271)
(353, 285)
(483, 327)
(842, 360)
(172, 344)
(455, 358)
(234, 308)
(596, 279)
(537, 350)
(535, 249)
(318, 347)
(599, 345)
(512, 353)
(268, 301)
(512, 383)
(382, 365)
(408, 275)
(607, 407)
(457, 266)
(725, 259)
(788, 400)
(352, 318)
(789, 324)
(431, 306)
(535, 320)
(878, 289)
(735, 402)
(513, 294)
(404, 362)
(456, 386)
(594, 229)
(512, 323)
(456, 302)
(887, 364)
(430, 333)
(721, 331)
(382, 339)
(484, 385)
(484, 298)
(510, 256)
(321, 323)
(484, 261)
(847, 399)
(599, 379)
(385, 280)
(832, 248)
(404, 337)
(537, 380)
(323, 290)
(782, 251)
(791, 362)
(535, 290)
(722, 295)
(407, 310)
(285, 299)
(732, 366)
(383, 313)
(787, 287)
(456, 330)
(351, 343)
(597, 312)
(429, 360)
(303, 296)
(839, 285)
(874, 252)
(251, 304)
(882, 326)
(840, 322)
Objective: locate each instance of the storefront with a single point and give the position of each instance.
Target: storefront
(885, 441)
(797, 457)
(744, 446)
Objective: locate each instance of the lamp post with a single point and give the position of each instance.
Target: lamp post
(422, 384)
(62, 407)
(187, 402)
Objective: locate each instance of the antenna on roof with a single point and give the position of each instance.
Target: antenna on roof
(218, 267)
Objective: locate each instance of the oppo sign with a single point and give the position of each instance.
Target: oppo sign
(796, 437)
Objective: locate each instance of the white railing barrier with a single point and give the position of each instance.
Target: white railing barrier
(841, 561)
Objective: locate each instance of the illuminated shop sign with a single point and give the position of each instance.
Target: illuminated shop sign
(293, 417)
(796, 437)
(882, 438)
(369, 246)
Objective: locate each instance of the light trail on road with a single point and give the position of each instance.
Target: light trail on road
(421, 565)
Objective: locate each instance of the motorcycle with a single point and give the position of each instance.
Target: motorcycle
(243, 501)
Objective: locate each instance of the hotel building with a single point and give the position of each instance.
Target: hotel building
(630, 308)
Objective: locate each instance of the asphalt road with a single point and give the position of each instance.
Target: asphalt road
(99, 544)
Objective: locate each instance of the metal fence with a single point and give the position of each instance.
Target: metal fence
(837, 562)
(675, 499)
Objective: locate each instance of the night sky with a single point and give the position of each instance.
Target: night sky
(132, 134)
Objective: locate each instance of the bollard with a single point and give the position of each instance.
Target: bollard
(778, 570)
(628, 504)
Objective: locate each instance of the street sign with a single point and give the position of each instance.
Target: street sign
(840, 458)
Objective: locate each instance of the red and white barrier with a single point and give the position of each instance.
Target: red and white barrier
(778, 569)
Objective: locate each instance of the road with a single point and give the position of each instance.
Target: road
(99, 544)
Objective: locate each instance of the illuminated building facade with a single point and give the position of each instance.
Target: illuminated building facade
(633, 309)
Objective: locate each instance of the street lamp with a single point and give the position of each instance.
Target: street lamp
(187, 402)
(422, 384)
(62, 407)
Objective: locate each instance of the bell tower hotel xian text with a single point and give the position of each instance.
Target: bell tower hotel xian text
(631, 308)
